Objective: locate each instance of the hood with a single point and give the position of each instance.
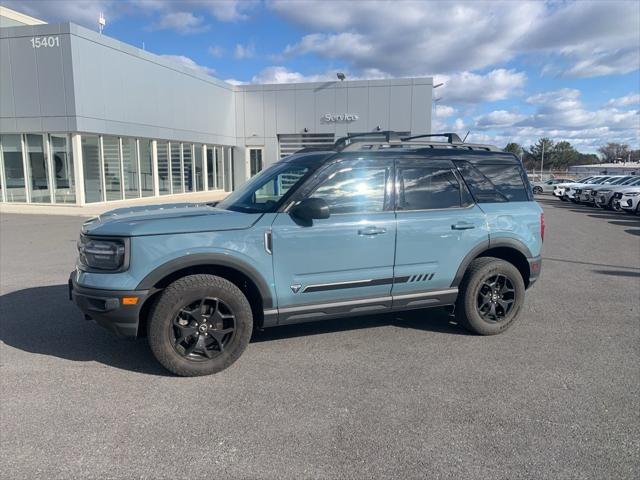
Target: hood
(167, 219)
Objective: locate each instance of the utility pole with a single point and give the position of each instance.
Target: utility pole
(542, 162)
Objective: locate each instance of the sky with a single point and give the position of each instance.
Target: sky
(511, 71)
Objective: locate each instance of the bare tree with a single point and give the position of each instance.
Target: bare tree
(614, 152)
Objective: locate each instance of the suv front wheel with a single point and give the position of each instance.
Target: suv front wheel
(491, 296)
(200, 325)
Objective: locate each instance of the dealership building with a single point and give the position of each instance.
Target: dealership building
(85, 118)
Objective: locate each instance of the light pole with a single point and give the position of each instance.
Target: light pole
(542, 162)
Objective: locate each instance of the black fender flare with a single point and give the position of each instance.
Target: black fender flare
(483, 247)
(209, 259)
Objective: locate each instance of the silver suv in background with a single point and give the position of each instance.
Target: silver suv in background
(567, 191)
(585, 194)
(548, 185)
(604, 195)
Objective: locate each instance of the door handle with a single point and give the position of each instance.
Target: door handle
(369, 231)
(462, 226)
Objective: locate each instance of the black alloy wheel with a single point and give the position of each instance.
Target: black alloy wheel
(202, 329)
(495, 299)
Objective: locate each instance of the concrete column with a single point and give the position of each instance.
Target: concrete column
(78, 167)
(154, 168)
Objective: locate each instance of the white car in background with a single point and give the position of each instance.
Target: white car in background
(548, 185)
(628, 199)
(586, 194)
(604, 194)
(566, 191)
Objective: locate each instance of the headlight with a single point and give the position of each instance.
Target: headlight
(605, 191)
(102, 254)
(632, 194)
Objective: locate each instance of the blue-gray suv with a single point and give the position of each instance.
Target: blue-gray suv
(379, 223)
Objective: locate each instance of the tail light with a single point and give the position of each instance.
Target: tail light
(542, 226)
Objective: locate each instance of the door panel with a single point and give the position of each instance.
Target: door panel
(335, 259)
(438, 224)
(430, 250)
(345, 257)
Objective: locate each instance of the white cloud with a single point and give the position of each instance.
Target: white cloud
(184, 23)
(498, 118)
(82, 12)
(189, 64)
(279, 74)
(467, 87)
(216, 50)
(243, 52)
(443, 111)
(626, 101)
(560, 115)
(407, 37)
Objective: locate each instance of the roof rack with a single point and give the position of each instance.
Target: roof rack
(390, 139)
(388, 136)
(451, 137)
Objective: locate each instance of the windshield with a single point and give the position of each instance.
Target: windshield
(620, 181)
(599, 181)
(264, 192)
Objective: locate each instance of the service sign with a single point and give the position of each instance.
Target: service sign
(340, 117)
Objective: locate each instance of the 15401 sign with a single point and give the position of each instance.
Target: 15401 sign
(45, 42)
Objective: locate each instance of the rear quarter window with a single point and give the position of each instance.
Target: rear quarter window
(495, 182)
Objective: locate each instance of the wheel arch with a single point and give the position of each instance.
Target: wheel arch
(507, 249)
(244, 276)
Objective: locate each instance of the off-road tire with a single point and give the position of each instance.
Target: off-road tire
(466, 311)
(183, 292)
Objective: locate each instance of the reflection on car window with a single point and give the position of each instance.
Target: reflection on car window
(264, 191)
(428, 188)
(354, 190)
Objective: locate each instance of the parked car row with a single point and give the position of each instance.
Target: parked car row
(613, 192)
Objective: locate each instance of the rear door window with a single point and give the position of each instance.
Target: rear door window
(425, 188)
(495, 182)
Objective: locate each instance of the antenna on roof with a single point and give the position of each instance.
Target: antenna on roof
(465, 137)
(101, 22)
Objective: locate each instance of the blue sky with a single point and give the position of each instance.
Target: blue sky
(512, 71)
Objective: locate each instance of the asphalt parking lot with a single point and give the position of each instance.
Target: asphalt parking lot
(556, 396)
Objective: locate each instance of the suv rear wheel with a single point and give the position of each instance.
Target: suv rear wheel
(200, 325)
(491, 296)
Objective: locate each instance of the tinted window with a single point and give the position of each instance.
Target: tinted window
(424, 188)
(494, 183)
(354, 190)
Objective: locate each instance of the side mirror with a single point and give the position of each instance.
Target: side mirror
(311, 209)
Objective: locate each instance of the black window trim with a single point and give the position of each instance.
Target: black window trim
(417, 162)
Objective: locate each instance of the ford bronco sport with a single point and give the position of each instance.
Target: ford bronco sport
(377, 224)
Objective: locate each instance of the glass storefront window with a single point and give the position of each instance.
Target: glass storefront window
(62, 163)
(187, 162)
(176, 167)
(13, 168)
(146, 168)
(211, 182)
(164, 172)
(130, 167)
(197, 160)
(219, 168)
(112, 173)
(91, 167)
(37, 169)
